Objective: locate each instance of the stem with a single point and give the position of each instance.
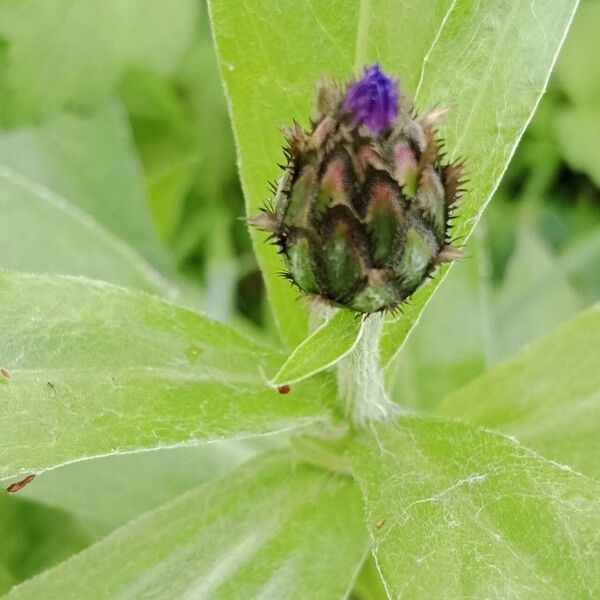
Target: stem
(361, 380)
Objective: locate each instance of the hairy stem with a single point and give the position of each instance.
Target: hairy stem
(360, 377)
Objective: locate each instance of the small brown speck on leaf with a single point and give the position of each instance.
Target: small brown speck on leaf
(19, 485)
(284, 389)
(379, 524)
(5, 373)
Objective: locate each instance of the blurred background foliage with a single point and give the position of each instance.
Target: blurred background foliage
(117, 161)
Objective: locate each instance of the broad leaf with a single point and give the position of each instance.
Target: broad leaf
(579, 260)
(368, 585)
(35, 538)
(582, 84)
(322, 349)
(490, 63)
(91, 162)
(460, 512)
(211, 124)
(109, 491)
(42, 233)
(271, 53)
(534, 298)
(165, 144)
(6, 579)
(548, 396)
(262, 532)
(98, 370)
(577, 132)
(71, 53)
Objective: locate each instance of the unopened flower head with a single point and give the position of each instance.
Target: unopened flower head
(361, 215)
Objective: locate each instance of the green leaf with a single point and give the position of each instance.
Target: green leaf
(262, 532)
(534, 298)
(99, 370)
(580, 82)
(398, 34)
(6, 579)
(335, 338)
(271, 53)
(577, 132)
(109, 491)
(490, 62)
(71, 53)
(164, 142)
(548, 396)
(42, 233)
(35, 538)
(579, 260)
(461, 512)
(210, 122)
(91, 162)
(368, 585)
(221, 270)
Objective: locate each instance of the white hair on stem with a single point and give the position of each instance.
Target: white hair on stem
(360, 377)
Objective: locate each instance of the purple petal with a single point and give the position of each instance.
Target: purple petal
(373, 100)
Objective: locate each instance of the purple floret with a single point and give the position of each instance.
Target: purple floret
(373, 100)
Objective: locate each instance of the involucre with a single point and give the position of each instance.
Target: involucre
(361, 215)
